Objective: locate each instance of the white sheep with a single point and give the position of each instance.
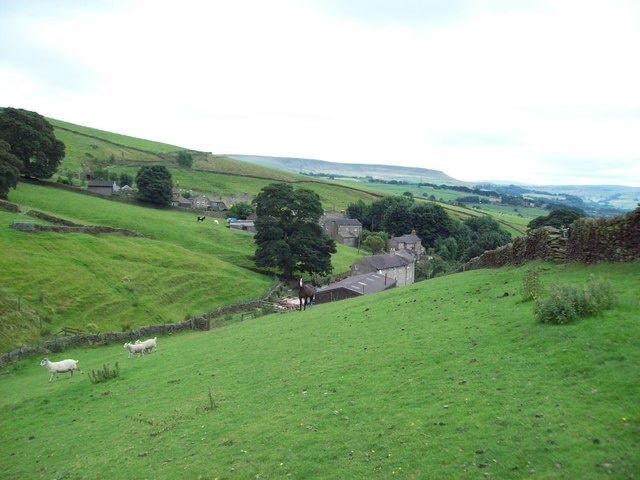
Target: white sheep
(60, 367)
(149, 344)
(134, 348)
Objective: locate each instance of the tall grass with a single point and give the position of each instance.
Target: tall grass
(449, 378)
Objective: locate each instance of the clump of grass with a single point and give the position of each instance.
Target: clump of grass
(99, 376)
(531, 287)
(566, 303)
(598, 296)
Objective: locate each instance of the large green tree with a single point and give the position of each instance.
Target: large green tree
(32, 140)
(486, 234)
(10, 166)
(154, 184)
(240, 210)
(184, 159)
(431, 222)
(288, 235)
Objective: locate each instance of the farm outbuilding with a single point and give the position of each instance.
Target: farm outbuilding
(399, 265)
(354, 287)
(102, 187)
(245, 225)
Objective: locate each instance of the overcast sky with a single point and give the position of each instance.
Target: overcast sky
(543, 92)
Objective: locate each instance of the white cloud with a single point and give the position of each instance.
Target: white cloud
(479, 89)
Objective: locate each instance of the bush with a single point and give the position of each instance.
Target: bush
(559, 307)
(531, 288)
(566, 303)
(103, 375)
(597, 296)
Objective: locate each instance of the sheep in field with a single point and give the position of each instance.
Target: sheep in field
(150, 344)
(134, 348)
(60, 367)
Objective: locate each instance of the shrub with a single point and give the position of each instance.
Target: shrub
(103, 375)
(566, 303)
(597, 296)
(531, 288)
(559, 307)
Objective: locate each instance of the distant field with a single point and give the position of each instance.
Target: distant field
(513, 219)
(451, 378)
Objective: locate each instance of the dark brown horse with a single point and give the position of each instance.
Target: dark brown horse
(306, 294)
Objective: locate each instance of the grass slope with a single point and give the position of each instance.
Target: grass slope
(450, 378)
(182, 268)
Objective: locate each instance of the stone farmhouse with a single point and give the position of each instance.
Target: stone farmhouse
(343, 230)
(409, 243)
(199, 202)
(398, 266)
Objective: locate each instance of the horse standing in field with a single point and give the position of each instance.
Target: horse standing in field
(306, 294)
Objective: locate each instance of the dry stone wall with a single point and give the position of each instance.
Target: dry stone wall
(200, 323)
(588, 240)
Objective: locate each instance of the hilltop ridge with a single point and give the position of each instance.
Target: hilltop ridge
(324, 168)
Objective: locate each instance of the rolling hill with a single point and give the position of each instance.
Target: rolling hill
(355, 170)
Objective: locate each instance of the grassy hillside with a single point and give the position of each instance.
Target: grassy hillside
(214, 175)
(242, 176)
(450, 378)
(182, 268)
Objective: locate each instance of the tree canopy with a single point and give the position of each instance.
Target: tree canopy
(154, 184)
(558, 218)
(453, 241)
(288, 235)
(10, 166)
(184, 159)
(32, 141)
(240, 210)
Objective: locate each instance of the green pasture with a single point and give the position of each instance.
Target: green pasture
(125, 140)
(108, 282)
(451, 378)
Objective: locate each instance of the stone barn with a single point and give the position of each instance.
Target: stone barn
(399, 266)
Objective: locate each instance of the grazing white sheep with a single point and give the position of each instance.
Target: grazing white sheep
(149, 344)
(60, 367)
(134, 348)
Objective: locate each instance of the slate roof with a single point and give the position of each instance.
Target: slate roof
(100, 183)
(385, 261)
(408, 238)
(349, 222)
(362, 284)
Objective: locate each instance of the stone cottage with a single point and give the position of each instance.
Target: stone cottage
(398, 265)
(343, 230)
(409, 243)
